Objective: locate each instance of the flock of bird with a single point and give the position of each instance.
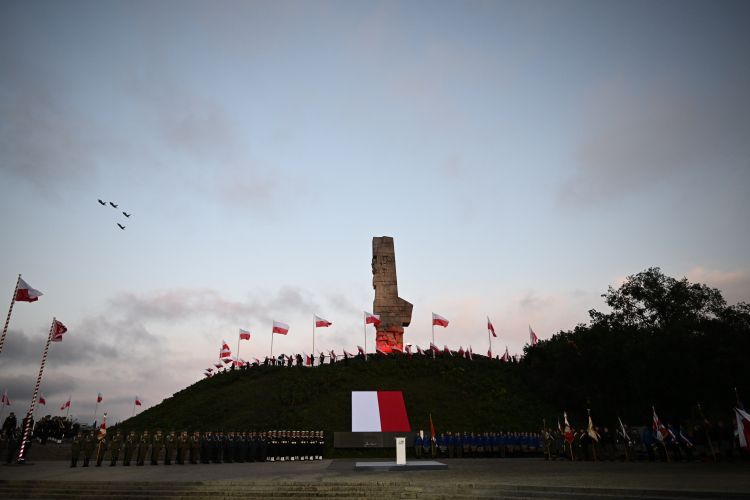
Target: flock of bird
(115, 206)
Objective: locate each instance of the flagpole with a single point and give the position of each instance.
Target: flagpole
(238, 349)
(36, 391)
(13, 301)
(705, 429)
(313, 350)
(271, 339)
(433, 339)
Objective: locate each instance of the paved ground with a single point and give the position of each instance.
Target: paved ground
(722, 477)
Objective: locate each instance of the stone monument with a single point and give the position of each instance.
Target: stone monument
(394, 312)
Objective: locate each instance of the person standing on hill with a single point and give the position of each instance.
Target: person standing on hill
(114, 448)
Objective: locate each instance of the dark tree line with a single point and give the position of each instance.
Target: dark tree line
(666, 343)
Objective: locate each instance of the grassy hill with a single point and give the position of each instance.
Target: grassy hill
(460, 395)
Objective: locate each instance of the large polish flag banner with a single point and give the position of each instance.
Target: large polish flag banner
(379, 411)
(372, 319)
(438, 320)
(279, 327)
(244, 334)
(320, 322)
(25, 293)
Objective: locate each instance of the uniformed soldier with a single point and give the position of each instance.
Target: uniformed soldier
(240, 447)
(114, 448)
(170, 443)
(75, 448)
(196, 443)
(183, 445)
(271, 449)
(252, 447)
(321, 445)
(156, 445)
(101, 449)
(229, 447)
(264, 444)
(466, 444)
(130, 444)
(284, 447)
(426, 446)
(144, 442)
(207, 446)
(88, 447)
(417, 446)
(220, 443)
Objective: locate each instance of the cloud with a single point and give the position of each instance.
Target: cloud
(734, 285)
(634, 141)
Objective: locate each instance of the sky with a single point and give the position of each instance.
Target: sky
(524, 156)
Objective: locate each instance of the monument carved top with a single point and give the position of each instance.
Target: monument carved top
(394, 312)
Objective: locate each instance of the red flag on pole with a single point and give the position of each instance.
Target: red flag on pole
(66, 405)
(26, 293)
(58, 331)
(42, 400)
(532, 336)
(438, 320)
(569, 434)
(244, 335)
(447, 351)
(372, 319)
(137, 401)
(279, 327)
(506, 356)
(99, 397)
(320, 322)
(489, 326)
(5, 399)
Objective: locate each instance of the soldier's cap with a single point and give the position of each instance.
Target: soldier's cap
(132, 430)
(172, 430)
(158, 430)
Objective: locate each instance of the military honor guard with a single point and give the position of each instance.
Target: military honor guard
(114, 448)
(131, 442)
(170, 443)
(157, 443)
(144, 443)
(196, 444)
(88, 447)
(206, 448)
(76, 448)
(183, 446)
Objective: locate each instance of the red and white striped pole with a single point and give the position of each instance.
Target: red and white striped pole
(2, 339)
(33, 400)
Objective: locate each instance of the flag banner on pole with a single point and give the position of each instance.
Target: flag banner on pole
(438, 320)
(42, 399)
(66, 405)
(396, 349)
(5, 399)
(218, 366)
(26, 293)
(489, 353)
(206, 374)
(658, 428)
(569, 434)
(279, 327)
(739, 403)
(320, 322)
(743, 428)
(244, 334)
(361, 351)
(102, 429)
(532, 336)
(408, 350)
(331, 354)
(379, 411)
(447, 351)
(506, 356)
(622, 430)
(99, 397)
(434, 348)
(209, 369)
(57, 331)
(461, 351)
(257, 361)
(591, 431)
(224, 352)
(380, 351)
(372, 319)
(347, 354)
(308, 359)
(137, 401)
(489, 326)
(471, 353)
(420, 351)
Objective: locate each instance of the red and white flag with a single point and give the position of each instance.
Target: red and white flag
(25, 293)
(361, 351)
(433, 347)
(209, 369)
(447, 351)
(347, 355)
(308, 359)
(99, 397)
(569, 434)
(396, 349)
(244, 334)
(489, 353)
(224, 352)
(379, 411)
(102, 428)
(471, 354)
(532, 336)
(279, 327)
(380, 351)
(658, 429)
(226, 360)
(743, 428)
(218, 366)
(57, 331)
(461, 351)
(137, 401)
(506, 356)
(42, 400)
(320, 322)
(5, 398)
(256, 361)
(408, 351)
(489, 327)
(331, 354)
(420, 351)
(372, 319)
(439, 320)
(66, 405)
(207, 374)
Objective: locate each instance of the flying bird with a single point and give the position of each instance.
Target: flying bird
(103, 203)
(126, 215)
(121, 227)
(113, 204)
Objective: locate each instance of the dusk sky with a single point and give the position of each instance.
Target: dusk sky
(524, 156)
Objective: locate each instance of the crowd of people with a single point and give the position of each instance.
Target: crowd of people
(207, 448)
(702, 442)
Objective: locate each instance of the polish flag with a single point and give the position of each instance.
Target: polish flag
(420, 351)
(434, 348)
(470, 353)
(25, 293)
(569, 434)
(489, 353)
(279, 327)
(361, 351)
(447, 351)
(532, 336)
(373, 319)
(244, 334)
(208, 375)
(489, 327)
(396, 349)
(226, 360)
(658, 428)
(57, 331)
(42, 400)
(99, 397)
(346, 354)
(743, 428)
(308, 359)
(331, 354)
(380, 351)
(218, 366)
(209, 369)
(408, 350)
(66, 405)
(461, 351)
(506, 356)
(243, 362)
(137, 401)
(5, 398)
(225, 352)
(439, 320)
(320, 322)
(256, 361)
(102, 428)
(379, 411)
